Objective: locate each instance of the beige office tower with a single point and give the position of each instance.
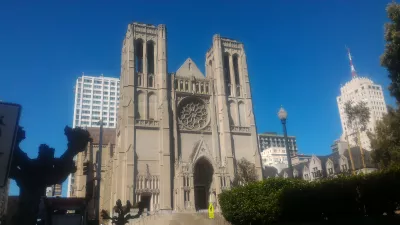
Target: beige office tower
(179, 135)
(356, 90)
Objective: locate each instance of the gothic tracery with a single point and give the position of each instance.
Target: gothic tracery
(193, 114)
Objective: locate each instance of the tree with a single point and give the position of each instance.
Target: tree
(385, 141)
(246, 173)
(358, 116)
(390, 59)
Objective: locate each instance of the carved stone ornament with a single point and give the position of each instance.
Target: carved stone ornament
(180, 98)
(240, 129)
(147, 123)
(193, 114)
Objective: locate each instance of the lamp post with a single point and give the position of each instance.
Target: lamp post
(282, 114)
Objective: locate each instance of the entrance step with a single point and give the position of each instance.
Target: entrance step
(181, 218)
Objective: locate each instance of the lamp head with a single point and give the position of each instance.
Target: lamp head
(282, 114)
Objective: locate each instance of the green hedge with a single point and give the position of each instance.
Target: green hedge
(293, 200)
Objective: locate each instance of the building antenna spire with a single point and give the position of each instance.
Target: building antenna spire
(353, 70)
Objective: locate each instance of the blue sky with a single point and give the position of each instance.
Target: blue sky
(295, 51)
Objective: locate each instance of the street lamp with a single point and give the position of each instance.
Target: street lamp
(282, 114)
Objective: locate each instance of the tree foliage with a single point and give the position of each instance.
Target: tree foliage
(246, 172)
(390, 59)
(293, 201)
(385, 141)
(358, 115)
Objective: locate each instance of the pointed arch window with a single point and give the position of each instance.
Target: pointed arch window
(152, 106)
(236, 68)
(242, 114)
(150, 57)
(140, 114)
(210, 69)
(139, 79)
(139, 56)
(232, 114)
(151, 81)
(227, 74)
(236, 73)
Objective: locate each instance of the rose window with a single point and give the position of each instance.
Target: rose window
(193, 114)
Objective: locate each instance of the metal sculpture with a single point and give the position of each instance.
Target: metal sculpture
(34, 175)
(123, 216)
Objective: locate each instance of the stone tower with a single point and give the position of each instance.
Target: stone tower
(179, 135)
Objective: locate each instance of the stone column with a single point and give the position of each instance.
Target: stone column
(126, 129)
(214, 127)
(191, 192)
(225, 132)
(166, 186)
(152, 202)
(251, 119)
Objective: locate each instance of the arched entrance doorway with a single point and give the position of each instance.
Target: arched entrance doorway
(203, 174)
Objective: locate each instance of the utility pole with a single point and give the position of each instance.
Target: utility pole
(98, 172)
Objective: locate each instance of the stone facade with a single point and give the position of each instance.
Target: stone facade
(178, 135)
(84, 182)
(331, 165)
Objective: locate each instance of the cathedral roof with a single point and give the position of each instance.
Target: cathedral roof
(189, 69)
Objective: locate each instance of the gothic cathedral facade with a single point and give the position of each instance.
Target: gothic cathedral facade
(179, 134)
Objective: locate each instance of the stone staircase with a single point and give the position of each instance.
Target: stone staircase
(180, 218)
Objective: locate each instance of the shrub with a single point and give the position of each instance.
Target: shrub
(292, 200)
(255, 203)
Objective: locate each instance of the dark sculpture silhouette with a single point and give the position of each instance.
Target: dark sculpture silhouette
(1, 123)
(122, 211)
(34, 175)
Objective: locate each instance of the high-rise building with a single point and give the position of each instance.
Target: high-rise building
(356, 90)
(95, 98)
(54, 191)
(272, 139)
(339, 146)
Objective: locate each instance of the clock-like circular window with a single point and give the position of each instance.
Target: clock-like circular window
(193, 114)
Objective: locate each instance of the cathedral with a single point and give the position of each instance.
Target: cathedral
(179, 134)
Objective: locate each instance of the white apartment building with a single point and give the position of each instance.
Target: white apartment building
(276, 157)
(273, 139)
(356, 90)
(95, 98)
